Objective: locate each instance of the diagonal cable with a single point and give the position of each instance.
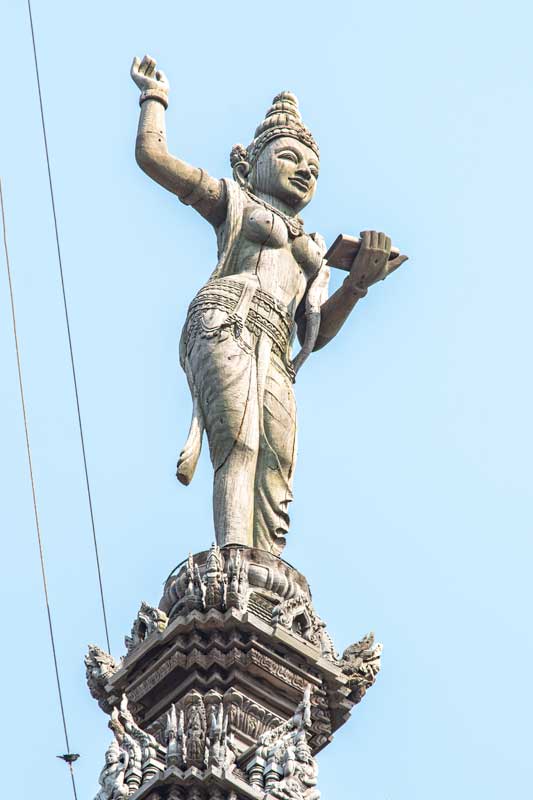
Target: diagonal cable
(34, 496)
(67, 321)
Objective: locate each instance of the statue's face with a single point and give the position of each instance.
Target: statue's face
(288, 170)
(110, 759)
(303, 754)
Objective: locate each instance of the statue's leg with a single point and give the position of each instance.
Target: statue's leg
(226, 379)
(276, 460)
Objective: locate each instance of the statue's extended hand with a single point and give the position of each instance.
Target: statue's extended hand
(372, 262)
(147, 77)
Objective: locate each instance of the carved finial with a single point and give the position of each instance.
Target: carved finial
(361, 662)
(100, 666)
(171, 735)
(124, 710)
(172, 721)
(282, 113)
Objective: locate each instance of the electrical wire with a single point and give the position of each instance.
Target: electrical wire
(34, 496)
(67, 321)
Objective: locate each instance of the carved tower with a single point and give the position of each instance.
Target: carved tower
(230, 688)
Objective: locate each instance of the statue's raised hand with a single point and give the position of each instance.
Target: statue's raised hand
(373, 262)
(152, 82)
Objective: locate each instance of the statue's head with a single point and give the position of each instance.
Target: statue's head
(112, 755)
(283, 159)
(303, 752)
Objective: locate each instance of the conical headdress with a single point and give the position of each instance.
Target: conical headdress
(282, 119)
(114, 749)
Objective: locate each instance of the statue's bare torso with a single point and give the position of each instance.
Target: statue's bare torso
(283, 265)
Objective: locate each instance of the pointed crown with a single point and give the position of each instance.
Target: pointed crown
(114, 749)
(282, 119)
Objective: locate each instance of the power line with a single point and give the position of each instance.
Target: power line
(67, 321)
(34, 496)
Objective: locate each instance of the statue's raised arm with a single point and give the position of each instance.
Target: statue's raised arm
(192, 185)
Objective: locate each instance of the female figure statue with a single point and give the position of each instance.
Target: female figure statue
(112, 783)
(271, 279)
(300, 775)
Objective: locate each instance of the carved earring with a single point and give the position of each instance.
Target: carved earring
(241, 172)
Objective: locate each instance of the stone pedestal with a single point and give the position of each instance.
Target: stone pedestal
(231, 687)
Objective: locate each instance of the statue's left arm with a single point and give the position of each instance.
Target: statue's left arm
(371, 264)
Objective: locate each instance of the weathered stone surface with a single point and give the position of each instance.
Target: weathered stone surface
(282, 764)
(147, 621)
(230, 687)
(361, 662)
(112, 780)
(242, 653)
(271, 278)
(228, 578)
(99, 667)
(190, 784)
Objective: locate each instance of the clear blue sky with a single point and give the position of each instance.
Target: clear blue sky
(412, 514)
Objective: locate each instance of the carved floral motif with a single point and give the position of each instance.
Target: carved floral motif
(276, 669)
(248, 717)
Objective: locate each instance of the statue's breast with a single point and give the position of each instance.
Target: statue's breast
(308, 254)
(264, 227)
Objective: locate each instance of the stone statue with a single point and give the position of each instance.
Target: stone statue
(300, 775)
(99, 667)
(112, 783)
(283, 763)
(361, 662)
(196, 733)
(271, 280)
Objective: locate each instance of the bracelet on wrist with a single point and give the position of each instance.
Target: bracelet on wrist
(154, 94)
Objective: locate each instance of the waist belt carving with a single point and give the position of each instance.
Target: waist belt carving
(247, 306)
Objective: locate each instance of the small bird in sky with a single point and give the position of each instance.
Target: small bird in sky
(70, 758)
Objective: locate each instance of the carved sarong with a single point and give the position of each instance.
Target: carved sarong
(235, 351)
